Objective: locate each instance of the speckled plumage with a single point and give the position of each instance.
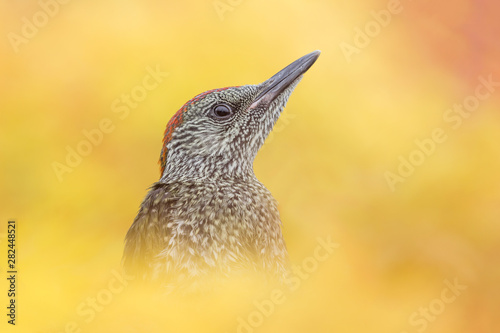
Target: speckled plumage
(208, 214)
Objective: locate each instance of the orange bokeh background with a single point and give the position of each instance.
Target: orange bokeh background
(345, 127)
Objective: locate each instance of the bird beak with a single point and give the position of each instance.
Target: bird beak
(271, 88)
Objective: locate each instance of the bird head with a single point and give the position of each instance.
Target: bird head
(219, 132)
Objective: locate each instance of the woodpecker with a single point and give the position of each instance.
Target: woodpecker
(208, 215)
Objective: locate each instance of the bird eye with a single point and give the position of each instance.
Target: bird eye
(222, 111)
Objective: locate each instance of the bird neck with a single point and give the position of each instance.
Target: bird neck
(211, 169)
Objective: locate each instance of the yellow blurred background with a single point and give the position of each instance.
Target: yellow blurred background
(417, 254)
